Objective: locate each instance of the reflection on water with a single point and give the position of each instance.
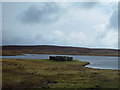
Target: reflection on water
(100, 62)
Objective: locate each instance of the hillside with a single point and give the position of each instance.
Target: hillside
(47, 49)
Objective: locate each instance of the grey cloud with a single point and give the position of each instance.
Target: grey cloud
(14, 40)
(112, 24)
(86, 5)
(10, 37)
(118, 14)
(44, 13)
(113, 20)
(89, 4)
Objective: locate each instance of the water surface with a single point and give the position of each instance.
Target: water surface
(98, 62)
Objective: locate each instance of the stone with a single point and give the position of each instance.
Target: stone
(60, 58)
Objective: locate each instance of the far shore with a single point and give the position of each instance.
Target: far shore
(56, 50)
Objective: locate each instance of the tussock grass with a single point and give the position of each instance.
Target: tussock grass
(29, 73)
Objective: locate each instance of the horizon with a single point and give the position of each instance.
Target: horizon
(62, 46)
(75, 24)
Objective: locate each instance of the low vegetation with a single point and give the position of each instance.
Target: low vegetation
(59, 50)
(26, 73)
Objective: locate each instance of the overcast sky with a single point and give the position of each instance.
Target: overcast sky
(78, 24)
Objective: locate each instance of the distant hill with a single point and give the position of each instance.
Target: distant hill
(64, 50)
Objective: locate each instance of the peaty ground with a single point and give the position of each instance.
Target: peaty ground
(26, 73)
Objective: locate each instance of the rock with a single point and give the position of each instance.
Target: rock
(61, 58)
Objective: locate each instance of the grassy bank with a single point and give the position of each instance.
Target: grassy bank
(55, 74)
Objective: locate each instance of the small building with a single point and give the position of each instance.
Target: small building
(60, 58)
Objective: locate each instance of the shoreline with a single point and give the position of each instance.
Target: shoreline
(59, 54)
(93, 67)
(87, 63)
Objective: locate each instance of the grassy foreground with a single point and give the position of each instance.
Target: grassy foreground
(26, 73)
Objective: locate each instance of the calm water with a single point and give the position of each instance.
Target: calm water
(99, 62)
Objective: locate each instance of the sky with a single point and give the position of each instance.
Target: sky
(78, 24)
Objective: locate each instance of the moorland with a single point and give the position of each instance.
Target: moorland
(12, 50)
(29, 73)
